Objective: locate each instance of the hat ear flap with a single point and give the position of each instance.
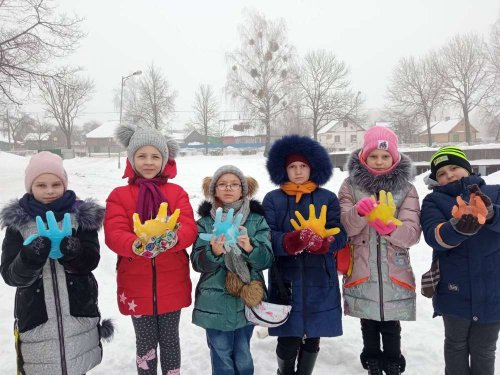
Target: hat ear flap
(173, 148)
(124, 134)
(206, 186)
(253, 186)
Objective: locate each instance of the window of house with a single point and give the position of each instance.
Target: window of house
(337, 138)
(328, 136)
(456, 138)
(354, 138)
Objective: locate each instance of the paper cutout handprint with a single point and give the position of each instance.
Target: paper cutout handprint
(229, 227)
(384, 210)
(53, 232)
(475, 208)
(316, 224)
(155, 227)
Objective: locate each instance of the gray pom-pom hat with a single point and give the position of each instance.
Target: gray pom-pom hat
(133, 138)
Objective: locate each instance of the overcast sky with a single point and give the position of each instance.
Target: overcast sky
(188, 40)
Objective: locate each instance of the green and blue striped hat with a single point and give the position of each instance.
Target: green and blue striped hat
(449, 155)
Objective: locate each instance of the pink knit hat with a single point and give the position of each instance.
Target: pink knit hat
(44, 162)
(380, 138)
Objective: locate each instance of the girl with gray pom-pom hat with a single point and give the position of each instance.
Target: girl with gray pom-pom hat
(153, 267)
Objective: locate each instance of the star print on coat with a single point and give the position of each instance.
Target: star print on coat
(132, 305)
(123, 299)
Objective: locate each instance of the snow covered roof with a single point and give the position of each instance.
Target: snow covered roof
(442, 126)
(37, 137)
(106, 130)
(339, 124)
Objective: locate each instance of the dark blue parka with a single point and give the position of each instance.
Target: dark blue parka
(316, 303)
(469, 265)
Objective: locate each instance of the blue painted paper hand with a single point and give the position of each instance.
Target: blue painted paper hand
(53, 232)
(228, 227)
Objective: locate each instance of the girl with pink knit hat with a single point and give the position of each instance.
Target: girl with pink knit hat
(381, 214)
(49, 251)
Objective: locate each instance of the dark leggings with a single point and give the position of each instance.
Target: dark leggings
(390, 331)
(288, 347)
(151, 331)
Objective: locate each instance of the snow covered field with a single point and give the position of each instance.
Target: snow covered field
(422, 340)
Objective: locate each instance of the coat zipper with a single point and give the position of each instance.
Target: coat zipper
(380, 284)
(60, 328)
(155, 307)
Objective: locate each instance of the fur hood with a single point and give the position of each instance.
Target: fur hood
(312, 151)
(88, 214)
(394, 181)
(205, 207)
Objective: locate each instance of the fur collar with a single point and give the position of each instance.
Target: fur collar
(88, 214)
(206, 206)
(394, 181)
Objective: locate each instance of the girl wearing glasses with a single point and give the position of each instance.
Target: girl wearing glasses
(231, 275)
(299, 165)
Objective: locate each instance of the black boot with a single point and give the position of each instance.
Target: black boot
(394, 366)
(372, 363)
(306, 363)
(286, 366)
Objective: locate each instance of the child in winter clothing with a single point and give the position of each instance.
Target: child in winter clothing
(57, 326)
(461, 222)
(153, 270)
(304, 260)
(231, 274)
(381, 287)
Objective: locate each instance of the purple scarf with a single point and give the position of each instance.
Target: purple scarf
(150, 197)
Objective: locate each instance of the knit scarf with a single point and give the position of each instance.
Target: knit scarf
(59, 207)
(291, 188)
(150, 197)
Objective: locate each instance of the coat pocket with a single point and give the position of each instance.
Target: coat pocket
(400, 271)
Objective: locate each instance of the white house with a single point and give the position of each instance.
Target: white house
(341, 135)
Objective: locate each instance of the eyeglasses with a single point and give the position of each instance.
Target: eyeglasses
(231, 187)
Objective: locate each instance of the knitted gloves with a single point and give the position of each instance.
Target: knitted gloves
(305, 239)
(380, 215)
(37, 252)
(155, 245)
(486, 200)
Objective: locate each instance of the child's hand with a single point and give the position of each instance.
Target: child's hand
(155, 245)
(475, 208)
(218, 245)
(365, 206)
(37, 252)
(70, 248)
(244, 240)
(474, 189)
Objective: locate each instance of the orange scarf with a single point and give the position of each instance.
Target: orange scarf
(293, 189)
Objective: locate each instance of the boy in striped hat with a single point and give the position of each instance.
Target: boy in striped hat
(461, 221)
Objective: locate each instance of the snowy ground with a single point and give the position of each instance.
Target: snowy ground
(422, 340)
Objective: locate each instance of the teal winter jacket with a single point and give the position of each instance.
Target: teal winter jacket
(214, 307)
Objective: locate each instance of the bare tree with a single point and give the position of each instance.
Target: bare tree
(462, 65)
(32, 35)
(324, 84)
(205, 112)
(415, 91)
(64, 98)
(259, 75)
(41, 130)
(403, 123)
(150, 101)
(17, 125)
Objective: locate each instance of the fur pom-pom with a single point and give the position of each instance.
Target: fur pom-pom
(107, 330)
(233, 284)
(253, 186)
(124, 133)
(252, 293)
(206, 187)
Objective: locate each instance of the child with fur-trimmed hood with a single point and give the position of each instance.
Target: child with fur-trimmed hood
(304, 260)
(57, 326)
(231, 277)
(153, 280)
(381, 287)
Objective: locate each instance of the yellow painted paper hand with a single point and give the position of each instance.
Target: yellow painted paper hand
(316, 224)
(384, 209)
(155, 227)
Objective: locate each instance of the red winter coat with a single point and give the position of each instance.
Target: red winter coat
(150, 286)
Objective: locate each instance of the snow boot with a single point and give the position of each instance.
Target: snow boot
(394, 366)
(371, 363)
(306, 362)
(286, 366)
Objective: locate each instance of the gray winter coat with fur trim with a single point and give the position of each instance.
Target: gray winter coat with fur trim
(382, 284)
(56, 310)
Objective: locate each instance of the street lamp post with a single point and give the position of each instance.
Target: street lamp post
(124, 78)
